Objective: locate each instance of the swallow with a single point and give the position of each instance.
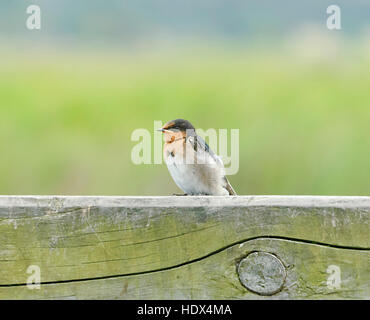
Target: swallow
(194, 167)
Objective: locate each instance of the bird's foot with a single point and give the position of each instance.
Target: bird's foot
(180, 194)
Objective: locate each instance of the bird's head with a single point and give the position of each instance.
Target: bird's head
(178, 128)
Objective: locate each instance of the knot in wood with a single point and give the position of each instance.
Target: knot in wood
(262, 273)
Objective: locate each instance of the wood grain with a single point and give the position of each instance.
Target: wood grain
(181, 247)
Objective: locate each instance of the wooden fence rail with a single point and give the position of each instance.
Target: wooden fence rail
(243, 247)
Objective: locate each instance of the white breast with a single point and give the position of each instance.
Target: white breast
(194, 178)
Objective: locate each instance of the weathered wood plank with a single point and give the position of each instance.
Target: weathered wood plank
(163, 247)
(215, 277)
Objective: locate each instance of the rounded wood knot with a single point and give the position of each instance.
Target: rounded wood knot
(262, 273)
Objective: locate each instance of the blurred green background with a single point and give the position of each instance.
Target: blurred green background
(72, 93)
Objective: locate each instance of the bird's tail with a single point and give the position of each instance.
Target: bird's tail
(229, 188)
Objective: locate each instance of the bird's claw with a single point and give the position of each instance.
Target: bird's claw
(179, 194)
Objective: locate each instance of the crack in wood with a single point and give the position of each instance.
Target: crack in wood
(265, 237)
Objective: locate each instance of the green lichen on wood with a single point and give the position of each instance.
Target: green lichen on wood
(166, 247)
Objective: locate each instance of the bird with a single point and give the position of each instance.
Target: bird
(194, 167)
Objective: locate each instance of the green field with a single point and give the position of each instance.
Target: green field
(66, 119)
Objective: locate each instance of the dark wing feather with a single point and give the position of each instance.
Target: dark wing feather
(198, 143)
(229, 188)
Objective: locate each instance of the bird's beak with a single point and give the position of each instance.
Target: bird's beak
(161, 130)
